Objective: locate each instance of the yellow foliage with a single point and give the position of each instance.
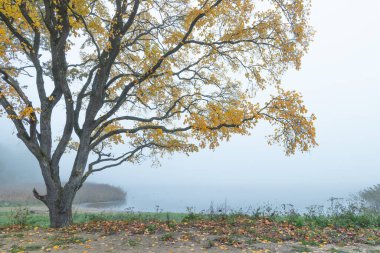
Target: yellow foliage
(117, 138)
(192, 68)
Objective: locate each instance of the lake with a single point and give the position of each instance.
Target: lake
(198, 199)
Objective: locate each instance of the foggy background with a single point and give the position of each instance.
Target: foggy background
(340, 82)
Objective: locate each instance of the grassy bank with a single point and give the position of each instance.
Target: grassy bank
(207, 231)
(337, 228)
(347, 219)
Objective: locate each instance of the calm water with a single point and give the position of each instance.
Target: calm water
(180, 199)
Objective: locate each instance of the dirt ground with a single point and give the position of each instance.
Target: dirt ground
(47, 240)
(241, 235)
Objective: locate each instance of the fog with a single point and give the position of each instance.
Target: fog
(17, 166)
(340, 82)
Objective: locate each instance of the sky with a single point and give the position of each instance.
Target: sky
(340, 83)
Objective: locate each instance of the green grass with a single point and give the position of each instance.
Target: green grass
(42, 220)
(167, 237)
(310, 243)
(32, 248)
(365, 220)
(28, 248)
(132, 243)
(345, 220)
(16, 249)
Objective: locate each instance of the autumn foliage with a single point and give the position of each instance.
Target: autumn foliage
(155, 76)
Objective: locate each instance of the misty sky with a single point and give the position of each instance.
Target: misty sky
(340, 82)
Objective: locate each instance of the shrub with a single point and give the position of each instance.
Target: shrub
(19, 216)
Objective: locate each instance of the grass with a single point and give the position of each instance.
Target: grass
(362, 220)
(32, 248)
(339, 226)
(28, 248)
(310, 243)
(42, 220)
(132, 243)
(167, 237)
(209, 229)
(16, 249)
(209, 244)
(146, 216)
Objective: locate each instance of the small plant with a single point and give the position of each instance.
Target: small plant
(310, 243)
(209, 244)
(151, 228)
(132, 243)
(158, 209)
(251, 241)
(191, 215)
(20, 216)
(4, 236)
(167, 237)
(168, 221)
(17, 249)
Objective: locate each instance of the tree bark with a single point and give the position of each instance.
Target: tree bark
(59, 198)
(59, 204)
(60, 215)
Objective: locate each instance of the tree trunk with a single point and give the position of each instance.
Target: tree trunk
(58, 198)
(60, 205)
(59, 202)
(60, 216)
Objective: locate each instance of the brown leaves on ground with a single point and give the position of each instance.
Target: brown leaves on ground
(239, 234)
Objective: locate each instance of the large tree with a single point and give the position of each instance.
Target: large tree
(157, 76)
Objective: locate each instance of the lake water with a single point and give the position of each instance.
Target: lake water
(198, 199)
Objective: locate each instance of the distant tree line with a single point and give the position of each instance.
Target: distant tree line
(89, 193)
(372, 196)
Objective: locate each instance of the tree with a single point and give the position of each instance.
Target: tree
(157, 76)
(372, 196)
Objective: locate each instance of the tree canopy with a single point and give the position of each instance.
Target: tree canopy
(157, 76)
